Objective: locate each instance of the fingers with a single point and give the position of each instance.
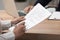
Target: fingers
(21, 19)
(27, 9)
(19, 30)
(17, 20)
(22, 23)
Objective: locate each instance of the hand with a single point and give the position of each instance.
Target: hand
(19, 30)
(17, 20)
(29, 8)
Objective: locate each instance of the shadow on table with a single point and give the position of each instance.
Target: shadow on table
(30, 36)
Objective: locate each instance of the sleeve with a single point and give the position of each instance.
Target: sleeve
(42, 2)
(11, 28)
(5, 24)
(7, 36)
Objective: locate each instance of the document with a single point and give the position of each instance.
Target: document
(36, 15)
(55, 16)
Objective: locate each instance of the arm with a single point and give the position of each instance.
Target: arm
(17, 33)
(7, 36)
(5, 24)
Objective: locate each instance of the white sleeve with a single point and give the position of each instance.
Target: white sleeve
(5, 24)
(7, 36)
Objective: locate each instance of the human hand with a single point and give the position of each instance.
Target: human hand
(17, 20)
(28, 8)
(19, 30)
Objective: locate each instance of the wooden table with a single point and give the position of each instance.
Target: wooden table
(46, 30)
(46, 27)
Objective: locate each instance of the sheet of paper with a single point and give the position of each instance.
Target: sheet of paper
(36, 15)
(55, 16)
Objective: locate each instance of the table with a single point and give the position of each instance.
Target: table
(46, 27)
(46, 30)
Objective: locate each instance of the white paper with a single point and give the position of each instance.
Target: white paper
(55, 15)
(36, 15)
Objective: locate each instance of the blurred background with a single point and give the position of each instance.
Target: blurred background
(21, 4)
